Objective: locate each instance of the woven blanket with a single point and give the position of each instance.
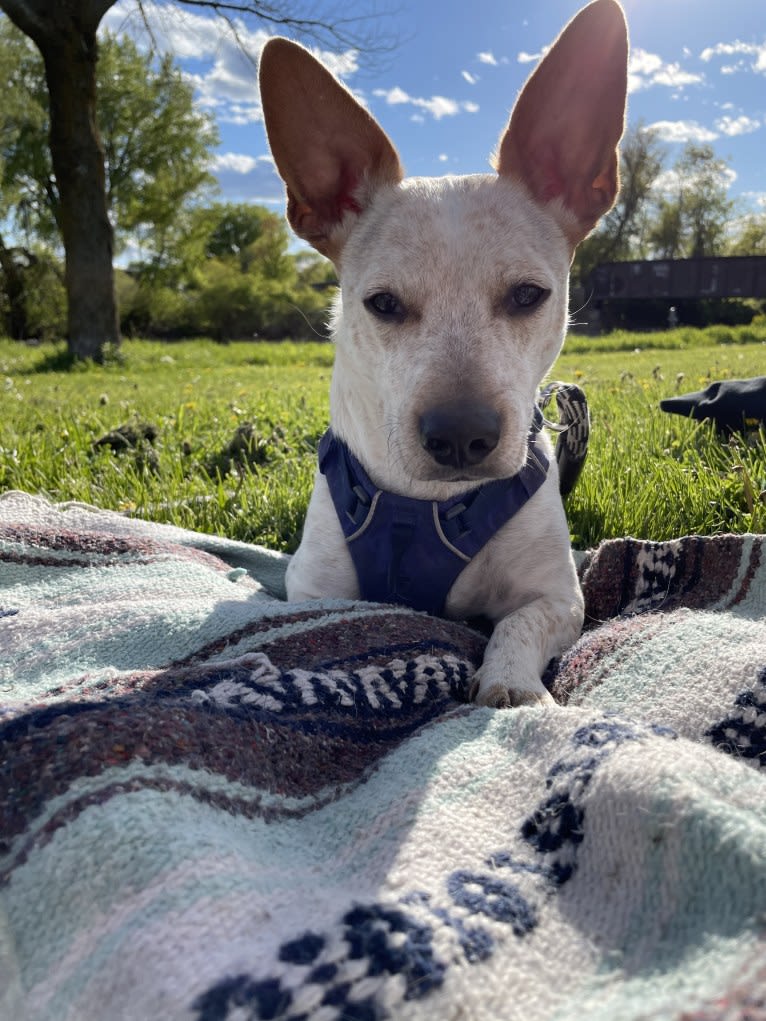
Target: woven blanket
(217, 806)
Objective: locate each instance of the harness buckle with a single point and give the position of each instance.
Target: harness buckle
(358, 511)
(453, 523)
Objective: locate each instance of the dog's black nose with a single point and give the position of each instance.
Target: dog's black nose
(460, 434)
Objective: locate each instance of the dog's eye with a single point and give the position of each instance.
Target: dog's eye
(524, 297)
(386, 306)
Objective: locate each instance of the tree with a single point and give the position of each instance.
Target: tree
(157, 149)
(692, 222)
(14, 259)
(232, 276)
(157, 146)
(666, 235)
(750, 238)
(248, 283)
(65, 33)
(248, 233)
(708, 208)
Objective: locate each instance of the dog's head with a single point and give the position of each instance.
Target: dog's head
(453, 290)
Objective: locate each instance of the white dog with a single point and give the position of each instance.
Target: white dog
(436, 487)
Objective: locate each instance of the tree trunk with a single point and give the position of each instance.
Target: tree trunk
(78, 163)
(65, 34)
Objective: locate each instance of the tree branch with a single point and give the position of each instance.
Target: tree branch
(39, 19)
(346, 31)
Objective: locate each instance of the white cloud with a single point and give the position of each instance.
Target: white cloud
(487, 58)
(682, 131)
(727, 50)
(528, 58)
(245, 178)
(241, 114)
(230, 79)
(221, 60)
(755, 51)
(393, 96)
(646, 69)
(737, 125)
(669, 182)
(673, 76)
(443, 157)
(437, 106)
(643, 63)
(341, 64)
(238, 163)
(175, 30)
(470, 78)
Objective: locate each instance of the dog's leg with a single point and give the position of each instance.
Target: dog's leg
(521, 646)
(321, 567)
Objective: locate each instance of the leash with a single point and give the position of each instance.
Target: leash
(573, 428)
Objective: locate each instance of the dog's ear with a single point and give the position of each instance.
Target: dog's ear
(565, 127)
(329, 151)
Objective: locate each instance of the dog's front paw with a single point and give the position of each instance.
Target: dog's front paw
(498, 696)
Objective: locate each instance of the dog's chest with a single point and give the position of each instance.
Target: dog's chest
(412, 552)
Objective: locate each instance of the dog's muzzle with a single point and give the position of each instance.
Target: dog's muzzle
(460, 434)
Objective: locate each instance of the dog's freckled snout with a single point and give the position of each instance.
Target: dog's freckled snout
(460, 434)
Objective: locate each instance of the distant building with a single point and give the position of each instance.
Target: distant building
(740, 276)
(633, 291)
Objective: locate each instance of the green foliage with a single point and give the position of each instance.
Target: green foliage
(237, 279)
(32, 299)
(225, 437)
(692, 222)
(751, 239)
(26, 164)
(226, 270)
(248, 234)
(44, 297)
(157, 145)
(222, 270)
(231, 303)
(150, 306)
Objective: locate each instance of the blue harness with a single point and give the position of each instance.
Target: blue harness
(411, 551)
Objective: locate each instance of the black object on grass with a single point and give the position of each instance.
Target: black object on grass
(735, 405)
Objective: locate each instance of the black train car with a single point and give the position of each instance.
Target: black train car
(741, 276)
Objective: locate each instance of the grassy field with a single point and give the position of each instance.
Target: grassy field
(223, 438)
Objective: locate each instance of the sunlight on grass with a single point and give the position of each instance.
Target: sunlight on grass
(222, 438)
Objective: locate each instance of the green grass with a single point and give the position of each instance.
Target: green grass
(654, 475)
(648, 474)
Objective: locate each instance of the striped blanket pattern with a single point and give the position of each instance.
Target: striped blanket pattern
(217, 806)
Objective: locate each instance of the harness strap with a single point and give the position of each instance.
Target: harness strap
(410, 551)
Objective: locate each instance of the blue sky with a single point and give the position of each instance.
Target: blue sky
(697, 73)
